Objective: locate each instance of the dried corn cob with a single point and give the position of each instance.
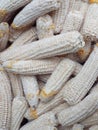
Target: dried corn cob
(46, 119)
(90, 27)
(16, 85)
(80, 111)
(60, 15)
(73, 21)
(47, 47)
(26, 37)
(4, 35)
(32, 11)
(78, 127)
(19, 106)
(45, 107)
(31, 90)
(34, 67)
(60, 75)
(5, 101)
(45, 27)
(83, 8)
(75, 89)
(7, 6)
(91, 120)
(95, 127)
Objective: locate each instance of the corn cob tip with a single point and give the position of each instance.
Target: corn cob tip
(14, 26)
(3, 13)
(43, 94)
(33, 113)
(93, 1)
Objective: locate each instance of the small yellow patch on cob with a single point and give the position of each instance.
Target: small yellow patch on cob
(93, 1)
(45, 95)
(33, 113)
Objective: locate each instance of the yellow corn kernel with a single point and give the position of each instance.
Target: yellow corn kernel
(93, 1)
(33, 113)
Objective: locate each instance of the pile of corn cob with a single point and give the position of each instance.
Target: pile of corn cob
(48, 65)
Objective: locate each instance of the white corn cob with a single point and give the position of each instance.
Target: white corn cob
(91, 120)
(78, 68)
(78, 87)
(90, 27)
(26, 37)
(69, 42)
(73, 21)
(79, 111)
(76, 5)
(56, 81)
(16, 85)
(43, 127)
(95, 127)
(32, 11)
(7, 6)
(45, 26)
(44, 77)
(60, 108)
(4, 35)
(60, 15)
(32, 67)
(84, 52)
(5, 101)
(31, 90)
(83, 8)
(46, 119)
(19, 107)
(45, 107)
(78, 127)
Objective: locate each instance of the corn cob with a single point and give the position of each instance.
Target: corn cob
(46, 119)
(32, 11)
(75, 89)
(45, 26)
(31, 90)
(5, 101)
(7, 6)
(83, 8)
(91, 120)
(45, 107)
(78, 127)
(26, 37)
(16, 84)
(34, 67)
(70, 42)
(90, 28)
(60, 75)
(4, 35)
(73, 21)
(95, 127)
(80, 111)
(19, 106)
(60, 15)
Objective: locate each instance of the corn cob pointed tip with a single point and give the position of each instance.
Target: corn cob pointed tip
(33, 113)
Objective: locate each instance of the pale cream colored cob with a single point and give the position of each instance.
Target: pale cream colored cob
(43, 127)
(31, 90)
(59, 15)
(32, 11)
(45, 107)
(78, 87)
(4, 35)
(19, 106)
(79, 111)
(69, 42)
(95, 127)
(73, 21)
(26, 37)
(91, 120)
(83, 8)
(45, 26)
(90, 27)
(32, 67)
(56, 81)
(5, 101)
(78, 127)
(46, 119)
(7, 6)
(16, 85)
